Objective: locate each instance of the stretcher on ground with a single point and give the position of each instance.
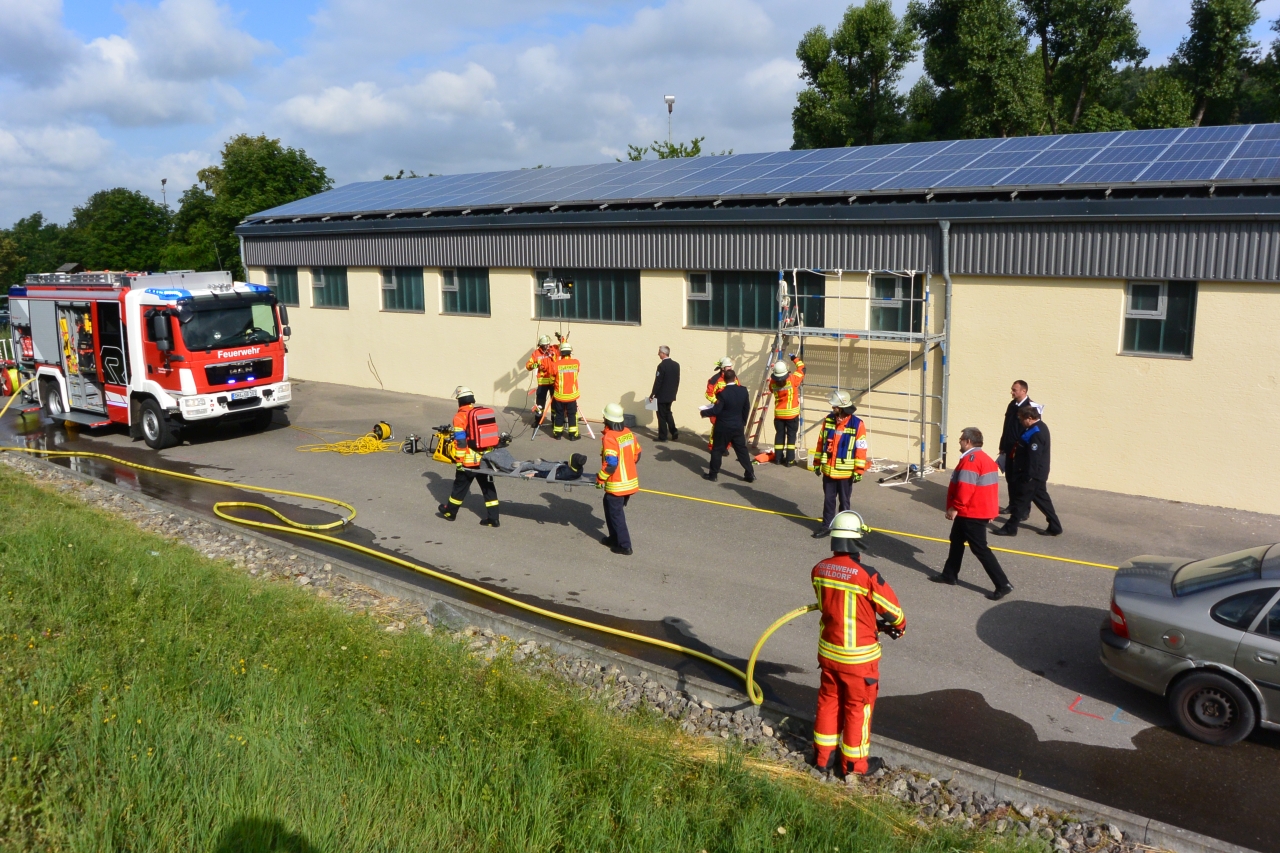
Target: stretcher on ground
(500, 463)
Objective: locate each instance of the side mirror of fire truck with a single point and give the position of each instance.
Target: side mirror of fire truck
(160, 330)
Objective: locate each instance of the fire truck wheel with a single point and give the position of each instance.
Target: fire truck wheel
(158, 431)
(51, 401)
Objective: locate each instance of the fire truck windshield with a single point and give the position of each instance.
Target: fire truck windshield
(212, 325)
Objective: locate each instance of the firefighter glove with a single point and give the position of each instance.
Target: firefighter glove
(558, 338)
(818, 470)
(857, 478)
(792, 356)
(599, 484)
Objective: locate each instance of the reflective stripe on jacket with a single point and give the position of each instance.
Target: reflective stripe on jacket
(619, 453)
(851, 596)
(462, 454)
(714, 386)
(842, 447)
(974, 491)
(786, 394)
(545, 361)
(567, 380)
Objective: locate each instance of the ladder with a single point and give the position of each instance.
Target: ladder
(788, 318)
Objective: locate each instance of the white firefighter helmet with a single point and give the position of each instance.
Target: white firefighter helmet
(726, 363)
(462, 391)
(566, 348)
(840, 400)
(613, 413)
(848, 525)
(545, 340)
(780, 370)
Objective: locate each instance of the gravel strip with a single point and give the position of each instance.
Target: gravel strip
(935, 801)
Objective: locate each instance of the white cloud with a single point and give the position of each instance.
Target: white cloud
(191, 40)
(110, 80)
(34, 47)
(445, 94)
(340, 110)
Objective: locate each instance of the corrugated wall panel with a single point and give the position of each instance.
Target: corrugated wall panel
(1200, 251)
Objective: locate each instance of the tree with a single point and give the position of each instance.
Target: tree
(1163, 101)
(256, 174)
(401, 175)
(1080, 43)
(40, 244)
(118, 229)
(1213, 59)
(978, 57)
(10, 260)
(851, 97)
(669, 150)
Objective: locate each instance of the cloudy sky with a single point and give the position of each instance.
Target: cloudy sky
(95, 94)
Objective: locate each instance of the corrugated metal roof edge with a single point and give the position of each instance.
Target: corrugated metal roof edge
(1242, 208)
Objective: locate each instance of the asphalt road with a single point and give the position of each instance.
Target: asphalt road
(1015, 686)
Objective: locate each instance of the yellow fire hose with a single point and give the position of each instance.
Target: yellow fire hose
(312, 531)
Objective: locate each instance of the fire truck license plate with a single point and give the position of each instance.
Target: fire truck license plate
(245, 394)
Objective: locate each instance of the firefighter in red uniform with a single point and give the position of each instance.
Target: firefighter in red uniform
(619, 453)
(714, 386)
(468, 462)
(857, 605)
(544, 361)
(785, 385)
(564, 399)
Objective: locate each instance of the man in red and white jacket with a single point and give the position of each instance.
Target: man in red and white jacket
(973, 499)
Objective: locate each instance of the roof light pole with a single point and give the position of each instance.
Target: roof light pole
(671, 102)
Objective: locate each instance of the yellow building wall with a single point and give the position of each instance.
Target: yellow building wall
(1200, 430)
(431, 353)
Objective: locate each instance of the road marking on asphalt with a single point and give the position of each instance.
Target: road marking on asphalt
(878, 529)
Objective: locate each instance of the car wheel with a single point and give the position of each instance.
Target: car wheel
(158, 431)
(51, 401)
(1212, 709)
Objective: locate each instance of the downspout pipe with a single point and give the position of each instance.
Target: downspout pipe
(945, 227)
(243, 266)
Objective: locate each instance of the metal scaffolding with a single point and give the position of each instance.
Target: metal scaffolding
(891, 314)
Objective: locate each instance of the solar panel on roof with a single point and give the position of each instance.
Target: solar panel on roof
(1193, 155)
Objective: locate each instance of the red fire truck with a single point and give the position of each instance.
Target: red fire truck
(152, 352)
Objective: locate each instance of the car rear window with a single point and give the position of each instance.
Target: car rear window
(1219, 571)
(1240, 610)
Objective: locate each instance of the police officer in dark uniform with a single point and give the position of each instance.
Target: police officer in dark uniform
(1020, 393)
(1028, 472)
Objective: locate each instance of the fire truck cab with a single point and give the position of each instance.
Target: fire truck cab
(153, 352)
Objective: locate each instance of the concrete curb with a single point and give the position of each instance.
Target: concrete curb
(455, 615)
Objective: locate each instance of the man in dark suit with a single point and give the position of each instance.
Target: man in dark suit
(1028, 474)
(1009, 435)
(665, 385)
(731, 411)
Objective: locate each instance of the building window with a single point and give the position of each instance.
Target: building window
(810, 296)
(283, 282)
(737, 300)
(897, 303)
(329, 287)
(590, 296)
(465, 291)
(402, 289)
(1160, 318)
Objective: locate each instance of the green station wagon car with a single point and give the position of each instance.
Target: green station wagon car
(1205, 634)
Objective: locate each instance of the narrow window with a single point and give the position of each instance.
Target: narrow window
(283, 282)
(465, 291)
(1160, 318)
(897, 303)
(589, 296)
(402, 289)
(736, 300)
(329, 287)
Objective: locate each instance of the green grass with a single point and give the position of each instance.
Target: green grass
(163, 702)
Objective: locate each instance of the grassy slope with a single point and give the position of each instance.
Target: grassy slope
(153, 700)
